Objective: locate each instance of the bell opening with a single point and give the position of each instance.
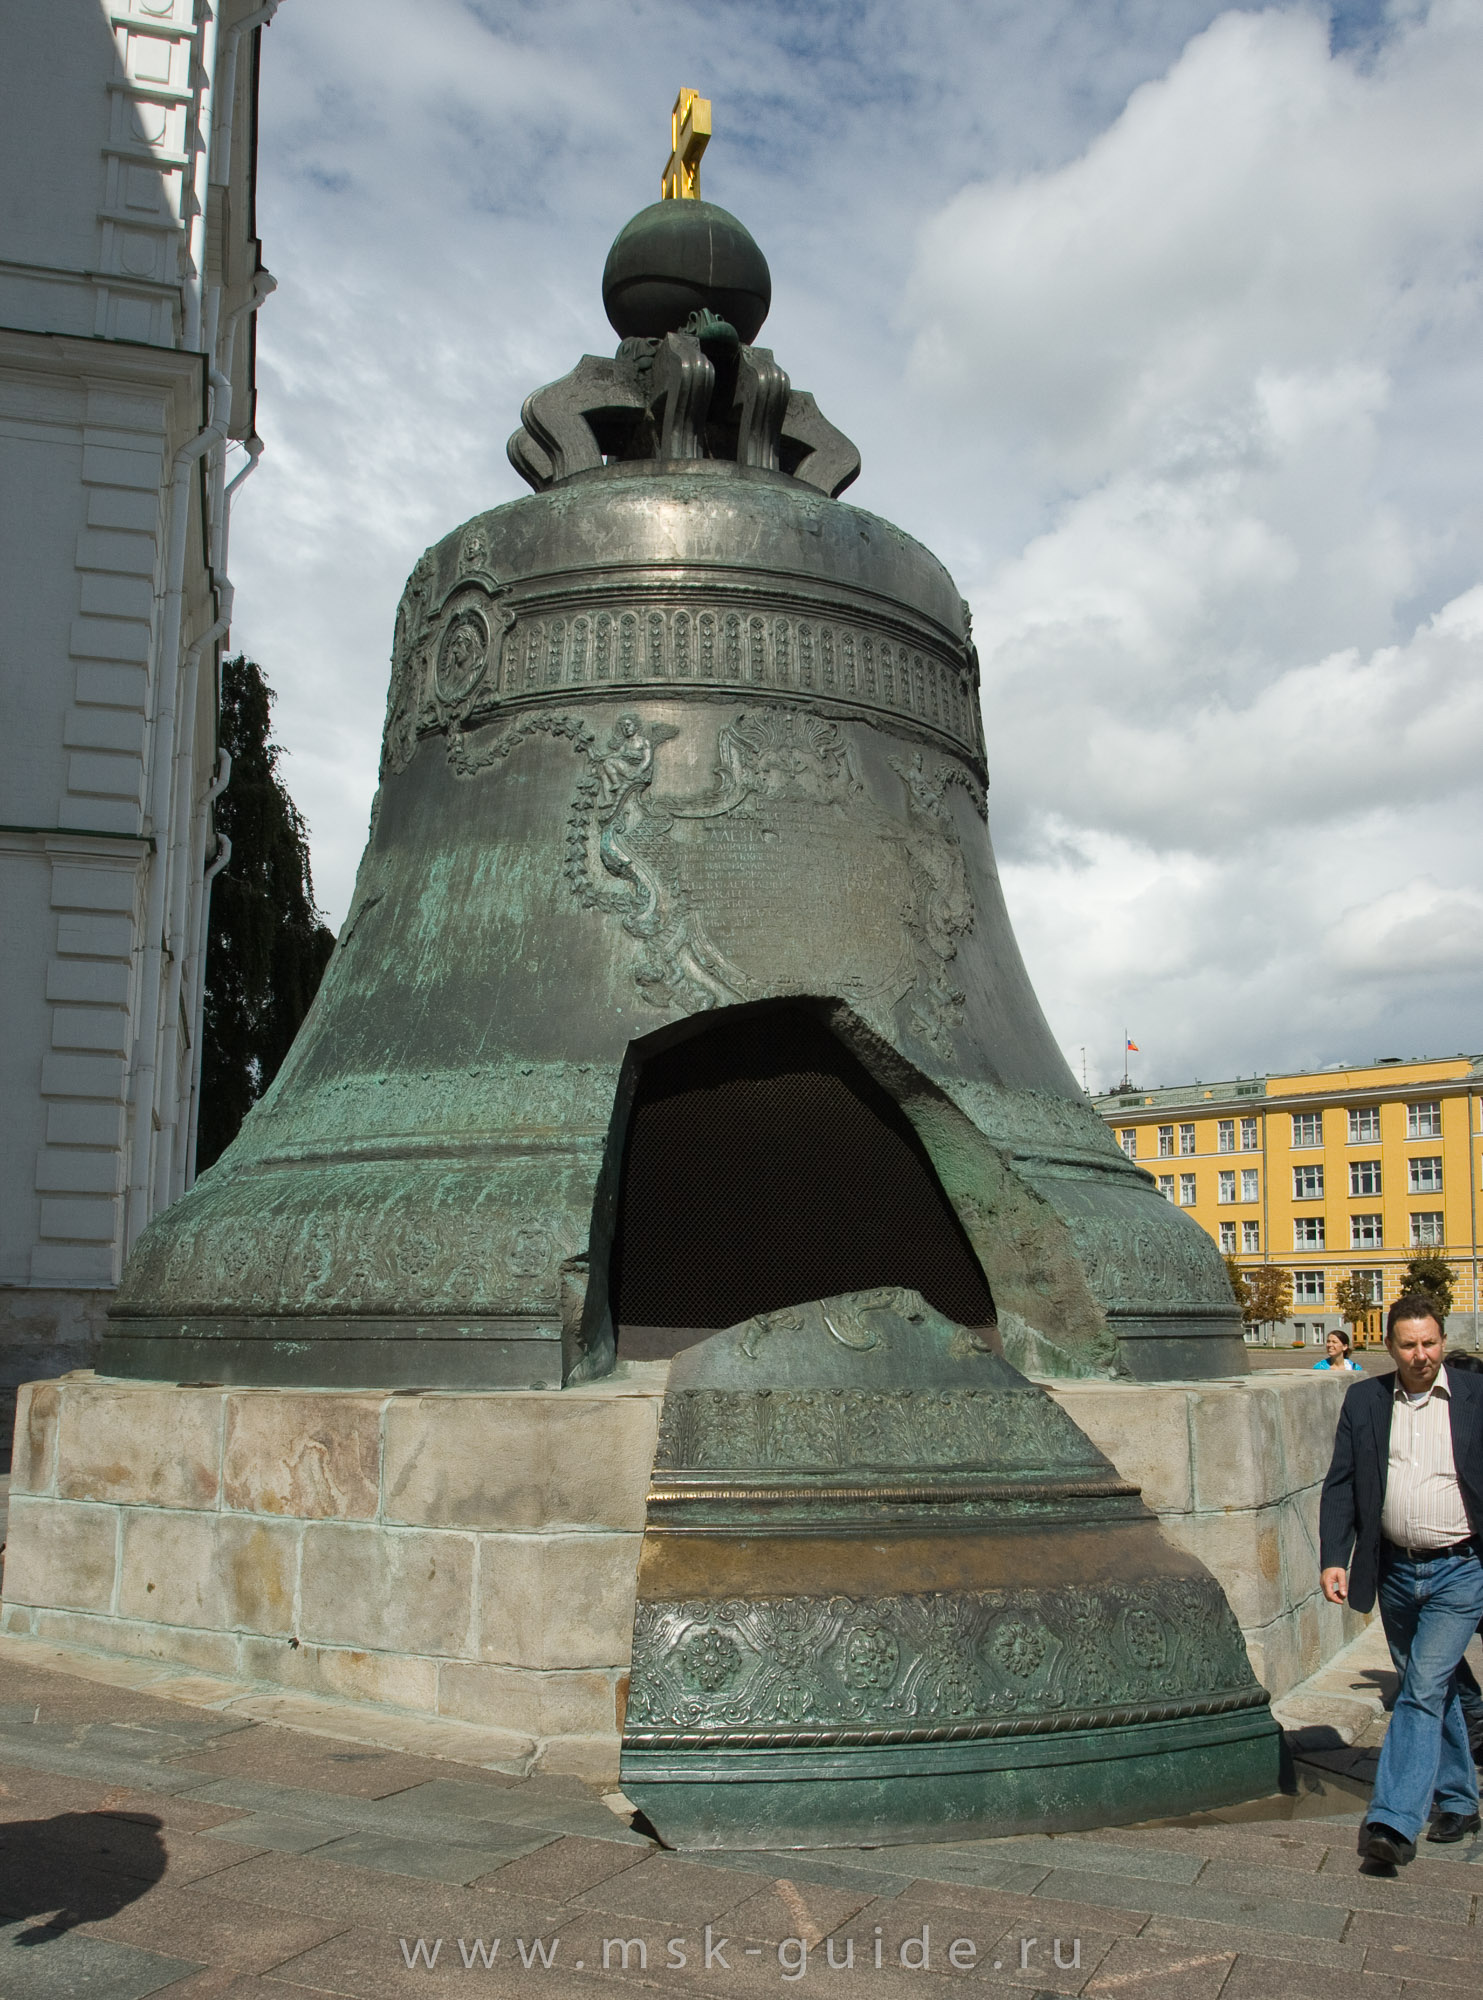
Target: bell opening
(764, 1166)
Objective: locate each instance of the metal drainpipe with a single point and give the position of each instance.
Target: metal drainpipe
(222, 857)
(221, 166)
(162, 770)
(182, 821)
(200, 182)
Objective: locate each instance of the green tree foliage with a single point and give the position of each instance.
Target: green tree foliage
(268, 944)
(1239, 1286)
(1352, 1297)
(1435, 1277)
(1269, 1294)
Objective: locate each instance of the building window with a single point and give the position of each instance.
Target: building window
(1373, 1283)
(1186, 1190)
(1128, 1140)
(1426, 1173)
(1364, 1177)
(1228, 1238)
(1248, 1135)
(1424, 1121)
(1364, 1126)
(1186, 1139)
(1307, 1183)
(1307, 1288)
(1251, 1239)
(1225, 1135)
(1307, 1232)
(1365, 1232)
(1225, 1189)
(1250, 1191)
(1166, 1142)
(1166, 1186)
(1426, 1229)
(1307, 1128)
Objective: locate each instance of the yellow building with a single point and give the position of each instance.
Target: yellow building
(1325, 1172)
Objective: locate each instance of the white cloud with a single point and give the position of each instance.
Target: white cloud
(1239, 665)
(1412, 933)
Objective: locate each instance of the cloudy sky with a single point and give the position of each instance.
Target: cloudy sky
(1161, 322)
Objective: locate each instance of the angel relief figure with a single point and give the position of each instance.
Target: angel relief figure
(627, 764)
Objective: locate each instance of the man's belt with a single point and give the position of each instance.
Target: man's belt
(1466, 1547)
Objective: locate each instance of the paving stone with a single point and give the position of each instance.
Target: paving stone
(1259, 1911)
(1028, 1914)
(135, 1846)
(1052, 1962)
(1194, 1935)
(664, 1886)
(980, 1869)
(34, 1753)
(438, 1860)
(282, 1801)
(275, 1836)
(287, 1756)
(371, 1899)
(1148, 1862)
(787, 1907)
(1370, 1927)
(1271, 1979)
(470, 1795)
(225, 1936)
(1422, 1971)
(370, 1965)
(73, 1966)
(1151, 1969)
(1278, 1846)
(563, 1868)
(392, 1817)
(809, 1867)
(1350, 1889)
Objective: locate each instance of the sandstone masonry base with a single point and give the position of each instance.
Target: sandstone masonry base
(472, 1557)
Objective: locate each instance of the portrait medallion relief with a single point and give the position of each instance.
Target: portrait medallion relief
(463, 655)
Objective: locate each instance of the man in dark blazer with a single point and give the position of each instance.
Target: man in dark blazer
(1401, 1521)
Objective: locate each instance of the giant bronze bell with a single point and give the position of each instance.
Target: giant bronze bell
(678, 995)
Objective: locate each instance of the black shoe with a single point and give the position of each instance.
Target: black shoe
(1383, 1843)
(1447, 1827)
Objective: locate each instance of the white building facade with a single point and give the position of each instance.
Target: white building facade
(130, 275)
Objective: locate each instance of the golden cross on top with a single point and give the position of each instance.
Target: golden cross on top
(690, 129)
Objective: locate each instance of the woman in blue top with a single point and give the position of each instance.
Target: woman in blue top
(1338, 1355)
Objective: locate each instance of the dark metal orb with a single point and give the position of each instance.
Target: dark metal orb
(680, 257)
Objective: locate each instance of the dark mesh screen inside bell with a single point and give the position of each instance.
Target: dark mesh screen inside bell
(764, 1166)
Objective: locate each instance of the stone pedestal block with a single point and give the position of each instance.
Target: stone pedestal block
(467, 1555)
(472, 1555)
(1234, 1471)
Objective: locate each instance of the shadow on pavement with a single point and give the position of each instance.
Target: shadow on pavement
(76, 1868)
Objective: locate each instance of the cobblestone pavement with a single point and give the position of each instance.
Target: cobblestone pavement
(147, 1846)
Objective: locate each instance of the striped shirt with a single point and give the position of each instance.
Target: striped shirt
(1423, 1502)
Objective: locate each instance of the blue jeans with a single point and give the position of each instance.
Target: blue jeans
(1430, 1610)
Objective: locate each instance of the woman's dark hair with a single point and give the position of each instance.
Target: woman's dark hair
(1414, 1305)
(1470, 1364)
(1336, 1334)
